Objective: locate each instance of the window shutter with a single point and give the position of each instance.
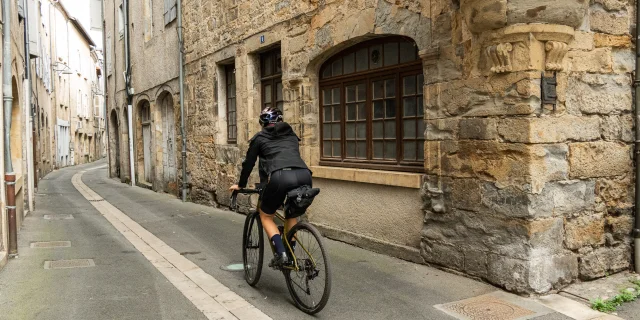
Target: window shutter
(170, 11)
(20, 8)
(108, 51)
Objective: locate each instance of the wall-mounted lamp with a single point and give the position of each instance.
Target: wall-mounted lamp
(61, 68)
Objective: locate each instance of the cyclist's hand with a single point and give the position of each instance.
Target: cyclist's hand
(234, 188)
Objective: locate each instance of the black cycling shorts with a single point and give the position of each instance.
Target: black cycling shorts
(281, 182)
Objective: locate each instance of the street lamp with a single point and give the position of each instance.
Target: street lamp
(61, 70)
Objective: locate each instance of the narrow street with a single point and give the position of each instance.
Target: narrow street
(125, 284)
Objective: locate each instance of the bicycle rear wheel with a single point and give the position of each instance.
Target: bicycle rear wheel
(252, 248)
(310, 286)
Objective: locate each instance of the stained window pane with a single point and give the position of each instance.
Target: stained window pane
(326, 146)
(351, 149)
(378, 109)
(279, 91)
(267, 65)
(390, 129)
(409, 106)
(375, 57)
(407, 52)
(336, 149)
(326, 73)
(378, 149)
(351, 94)
(409, 129)
(362, 130)
(390, 54)
(349, 63)
(390, 149)
(421, 130)
(335, 131)
(409, 150)
(278, 61)
(362, 92)
(391, 108)
(409, 85)
(378, 89)
(351, 112)
(337, 113)
(378, 130)
(267, 93)
(326, 131)
(420, 83)
(420, 105)
(351, 130)
(362, 150)
(336, 95)
(327, 114)
(232, 104)
(362, 60)
(362, 111)
(326, 97)
(336, 67)
(390, 88)
(420, 150)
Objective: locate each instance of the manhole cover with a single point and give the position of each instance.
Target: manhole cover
(51, 244)
(233, 267)
(68, 264)
(485, 308)
(58, 216)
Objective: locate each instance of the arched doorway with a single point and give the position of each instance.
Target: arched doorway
(169, 168)
(114, 141)
(144, 108)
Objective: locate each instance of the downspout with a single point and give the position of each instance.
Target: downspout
(127, 83)
(28, 109)
(105, 78)
(9, 176)
(636, 231)
(182, 128)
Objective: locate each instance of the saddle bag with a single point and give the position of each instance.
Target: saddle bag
(298, 200)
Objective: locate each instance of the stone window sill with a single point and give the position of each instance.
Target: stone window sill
(387, 178)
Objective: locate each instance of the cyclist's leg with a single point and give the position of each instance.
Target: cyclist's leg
(268, 224)
(272, 197)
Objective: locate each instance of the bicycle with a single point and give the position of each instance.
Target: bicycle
(305, 270)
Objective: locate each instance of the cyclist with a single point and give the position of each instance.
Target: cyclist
(281, 166)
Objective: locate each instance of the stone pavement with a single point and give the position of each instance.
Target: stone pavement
(154, 257)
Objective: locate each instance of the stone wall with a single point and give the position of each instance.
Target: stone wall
(526, 195)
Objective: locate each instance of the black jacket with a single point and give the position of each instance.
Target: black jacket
(278, 148)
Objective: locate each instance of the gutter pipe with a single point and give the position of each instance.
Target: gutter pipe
(7, 97)
(182, 126)
(636, 231)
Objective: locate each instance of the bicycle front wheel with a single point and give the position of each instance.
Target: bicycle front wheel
(252, 248)
(310, 285)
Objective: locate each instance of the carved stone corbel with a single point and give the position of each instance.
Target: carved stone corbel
(555, 53)
(500, 55)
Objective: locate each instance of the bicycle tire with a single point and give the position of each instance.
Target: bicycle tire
(322, 265)
(252, 238)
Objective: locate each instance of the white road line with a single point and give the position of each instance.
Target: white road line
(210, 296)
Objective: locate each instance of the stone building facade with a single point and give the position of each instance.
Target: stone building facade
(463, 161)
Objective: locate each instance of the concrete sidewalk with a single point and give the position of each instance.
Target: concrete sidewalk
(124, 284)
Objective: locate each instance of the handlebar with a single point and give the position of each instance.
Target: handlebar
(234, 196)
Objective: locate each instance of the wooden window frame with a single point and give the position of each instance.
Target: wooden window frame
(396, 72)
(232, 122)
(273, 59)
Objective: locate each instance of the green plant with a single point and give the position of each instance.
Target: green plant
(610, 305)
(603, 305)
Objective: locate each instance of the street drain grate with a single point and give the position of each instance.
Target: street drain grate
(51, 244)
(68, 264)
(58, 216)
(486, 307)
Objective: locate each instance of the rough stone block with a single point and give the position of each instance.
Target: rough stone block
(442, 129)
(463, 194)
(509, 201)
(609, 22)
(479, 129)
(547, 273)
(443, 255)
(598, 94)
(624, 61)
(475, 262)
(615, 193)
(550, 129)
(582, 41)
(599, 159)
(612, 5)
(568, 13)
(484, 15)
(511, 274)
(545, 236)
(548, 163)
(585, 231)
(598, 60)
(609, 40)
(603, 261)
(618, 127)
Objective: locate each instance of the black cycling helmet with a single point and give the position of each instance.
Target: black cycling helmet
(270, 115)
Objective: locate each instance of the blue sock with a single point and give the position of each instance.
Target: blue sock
(277, 242)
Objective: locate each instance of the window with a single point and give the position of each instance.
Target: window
(232, 127)
(120, 21)
(372, 115)
(148, 20)
(170, 11)
(145, 113)
(271, 78)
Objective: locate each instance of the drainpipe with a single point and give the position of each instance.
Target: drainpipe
(9, 176)
(182, 128)
(636, 231)
(105, 77)
(128, 92)
(28, 109)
